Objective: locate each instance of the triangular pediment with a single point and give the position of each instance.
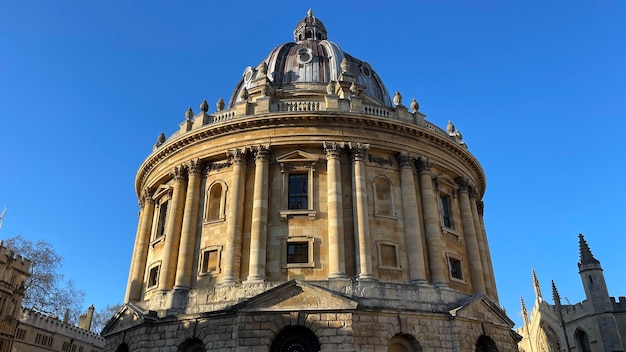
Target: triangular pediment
(297, 156)
(298, 295)
(479, 307)
(127, 316)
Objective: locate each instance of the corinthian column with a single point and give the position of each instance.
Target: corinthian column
(234, 216)
(469, 231)
(173, 229)
(412, 227)
(480, 206)
(142, 240)
(186, 253)
(487, 270)
(364, 258)
(258, 235)
(431, 222)
(336, 254)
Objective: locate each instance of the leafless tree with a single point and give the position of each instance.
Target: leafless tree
(47, 290)
(101, 317)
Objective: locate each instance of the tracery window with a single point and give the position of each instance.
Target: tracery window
(582, 341)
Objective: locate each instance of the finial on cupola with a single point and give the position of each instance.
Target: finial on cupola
(189, 114)
(244, 94)
(220, 104)
(414, 105)
(309, 13)
(204, 107)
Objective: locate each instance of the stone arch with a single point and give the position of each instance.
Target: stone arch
(192, 345)
(123, 347)
(485, 344)
(403, 343)
(215, 208)
(548, 340)
(582, 341)
(295, 338)
(382, 188)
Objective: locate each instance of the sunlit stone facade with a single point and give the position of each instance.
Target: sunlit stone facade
(313, 212)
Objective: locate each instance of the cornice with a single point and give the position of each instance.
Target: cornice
(182, 142)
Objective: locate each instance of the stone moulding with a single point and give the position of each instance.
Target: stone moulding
(179, 143)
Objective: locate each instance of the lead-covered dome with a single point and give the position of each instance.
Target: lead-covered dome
(307, 66)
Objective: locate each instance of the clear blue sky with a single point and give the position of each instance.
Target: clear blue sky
(537, 88)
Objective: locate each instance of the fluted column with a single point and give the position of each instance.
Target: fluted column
(364, 258)
(336, 253)
(173, 229)
(258, 235)
(186, 254)
(140, 253)
(469, 232)
(432, 225)
(412, 227)
(234, 217)
(480, 206)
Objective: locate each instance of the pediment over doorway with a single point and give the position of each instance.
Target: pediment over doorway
(481, 308)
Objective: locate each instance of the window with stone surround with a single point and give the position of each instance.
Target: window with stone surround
(388, 255)
(446, 193)
(161, 198)
(455, 267)
(215, 209)
(445, 206)
(298, 184)
(210, 259)
(298, 252)
(153, 275)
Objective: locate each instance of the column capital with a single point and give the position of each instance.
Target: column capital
(333, 149)
(237, 155)
(146, 197)
(261, 152)
(358, 150)
(195, 167)
(480, 205)
(464, 184)
(179, 173)
(405, 160)
(424, 165)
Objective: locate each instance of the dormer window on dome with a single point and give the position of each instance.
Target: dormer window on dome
(310, 28)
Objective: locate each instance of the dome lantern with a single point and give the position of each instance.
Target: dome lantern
(310, 28)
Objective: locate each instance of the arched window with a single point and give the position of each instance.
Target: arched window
(582, 341)
(485, 344)
(216, 202)
(383, 197)
(403, 343)
(548, 340)
(191, 345)
(295, 339)
(123, 347)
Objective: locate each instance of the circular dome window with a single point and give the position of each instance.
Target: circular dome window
(247, 74)
(304, 55)
(366, 71)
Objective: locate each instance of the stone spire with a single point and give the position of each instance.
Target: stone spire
(585, 253)
(536, 285)
(555, 296)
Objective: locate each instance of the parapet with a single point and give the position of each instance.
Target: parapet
(16, 261)
(619, 306)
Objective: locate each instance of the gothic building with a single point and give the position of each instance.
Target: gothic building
(313, 212)
(13, 275)
(596, 324)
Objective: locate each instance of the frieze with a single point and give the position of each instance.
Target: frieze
(380, 160)
(219, 166)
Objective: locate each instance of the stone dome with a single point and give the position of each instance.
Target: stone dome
(308, 65)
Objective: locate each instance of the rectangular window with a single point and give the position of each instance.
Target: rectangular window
(298, 191)
(161, 221)
(20, 334)
(153, 276)
(297, 252)
(388, 256)
(446, 215)
(210, 261)
(456, 269)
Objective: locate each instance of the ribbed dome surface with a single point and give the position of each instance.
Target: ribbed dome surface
(310, 63)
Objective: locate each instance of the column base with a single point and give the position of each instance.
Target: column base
(420, 282)
(254, 280)
(366, 277)
(337, 276)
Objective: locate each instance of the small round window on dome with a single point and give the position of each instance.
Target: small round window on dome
(366, 71)
(247, 74)
(304, 55)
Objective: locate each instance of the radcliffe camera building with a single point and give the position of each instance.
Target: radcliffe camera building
(313, 212)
